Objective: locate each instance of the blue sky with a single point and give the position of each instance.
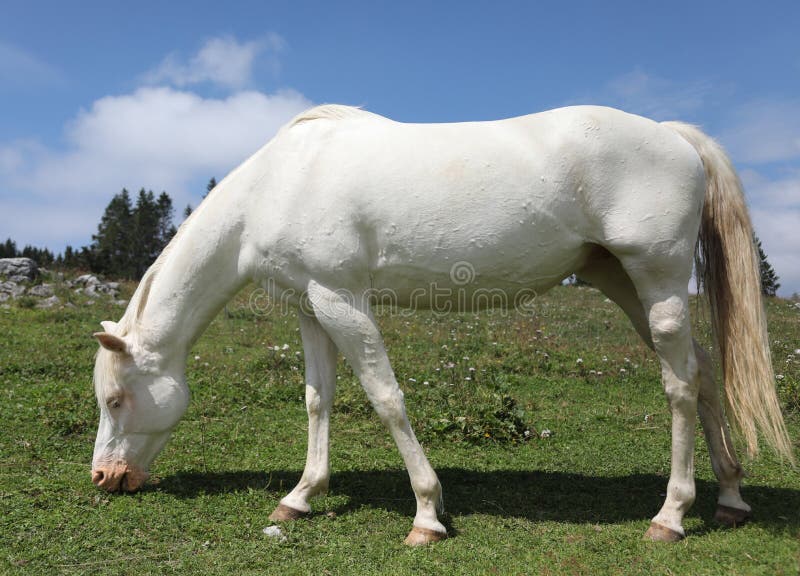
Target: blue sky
(97, 96)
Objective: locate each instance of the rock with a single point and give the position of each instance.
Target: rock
(12, 289)
(4, 296)
(49, 302)
(41, 291)
(121, 302)
(19, 269)
(274, 532)
(87, 280)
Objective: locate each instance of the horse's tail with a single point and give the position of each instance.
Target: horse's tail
(728, 267)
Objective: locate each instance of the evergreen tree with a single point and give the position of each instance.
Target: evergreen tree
(129, 237)
(110, 252)
(70, 260)
(187, 211)
(769, 279)
(8, 249)
(147, 232)
(166, 229)
(210, 186)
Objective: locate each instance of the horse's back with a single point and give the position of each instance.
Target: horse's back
(519, 198)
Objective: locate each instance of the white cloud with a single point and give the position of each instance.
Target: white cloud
(652, 96)
(778, 232)
(775, 210)
(21, 68)
(222, 61)
(158, 138)
(764, 131)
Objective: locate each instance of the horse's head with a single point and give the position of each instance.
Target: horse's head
(141, 400)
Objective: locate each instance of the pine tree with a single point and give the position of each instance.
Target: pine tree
(129, 237)
(110, 252)
(769, 279)
(166, 229)
(187, 211)
(210, 186)
(8, 249)
(70, 260)
(147, 239)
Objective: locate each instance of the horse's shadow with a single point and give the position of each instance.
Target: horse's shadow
(536, 496)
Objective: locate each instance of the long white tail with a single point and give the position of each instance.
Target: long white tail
(728, 267)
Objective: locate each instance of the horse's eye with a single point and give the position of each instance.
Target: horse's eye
(114, 402)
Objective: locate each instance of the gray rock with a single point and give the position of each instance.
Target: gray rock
(121, 302)
(13, 268)
(41, 291)
(4, 296)
(12, 289)
(49, 302)
(87, 280)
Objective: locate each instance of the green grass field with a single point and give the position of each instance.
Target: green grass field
(480, 391)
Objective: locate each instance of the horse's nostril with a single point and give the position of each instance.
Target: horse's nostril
(97, 477)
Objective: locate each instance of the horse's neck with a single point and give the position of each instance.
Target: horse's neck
(199, 273)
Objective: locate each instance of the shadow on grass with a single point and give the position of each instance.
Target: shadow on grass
(536, 496)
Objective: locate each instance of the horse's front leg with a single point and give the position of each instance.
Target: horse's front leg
(355, 332)
(320, 364)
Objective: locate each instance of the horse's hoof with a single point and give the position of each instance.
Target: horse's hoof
(422, 536)
(731, 517)
(659, 533)
(283, 513)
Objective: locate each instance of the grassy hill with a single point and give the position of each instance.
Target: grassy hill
(549, 431)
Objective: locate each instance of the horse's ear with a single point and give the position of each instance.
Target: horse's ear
(109, 326)
(111, 342)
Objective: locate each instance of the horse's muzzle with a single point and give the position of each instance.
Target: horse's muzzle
(118, 478)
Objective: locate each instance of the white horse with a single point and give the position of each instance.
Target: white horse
(343, 202)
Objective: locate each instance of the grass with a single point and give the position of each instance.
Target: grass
(519, 500)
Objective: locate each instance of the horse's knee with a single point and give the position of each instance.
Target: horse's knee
(316, 402)
(390, 406)
(668, 320)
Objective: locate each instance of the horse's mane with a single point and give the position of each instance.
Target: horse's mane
(133, 313)
(329, 112)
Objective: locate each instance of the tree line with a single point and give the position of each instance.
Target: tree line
(130, 236)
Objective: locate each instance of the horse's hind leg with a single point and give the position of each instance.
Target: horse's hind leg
(731, 509)
(320, 365)
(662, 289)
(352, 327)
(606, 273)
